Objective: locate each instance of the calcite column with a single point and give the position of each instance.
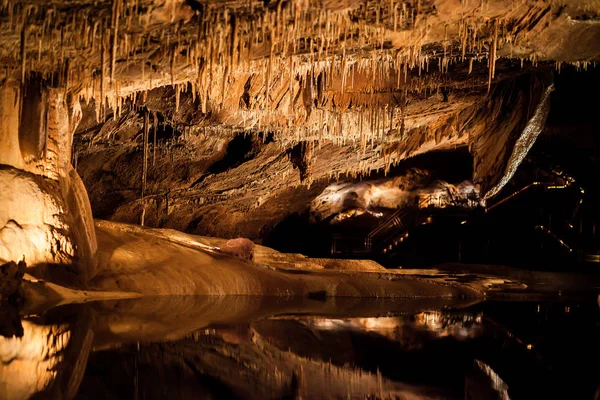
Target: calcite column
(45, 214)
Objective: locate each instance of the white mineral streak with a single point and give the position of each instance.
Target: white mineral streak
(525, 141)
(496, 382)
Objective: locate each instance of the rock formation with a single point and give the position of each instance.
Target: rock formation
(46, 217)
(223, 117)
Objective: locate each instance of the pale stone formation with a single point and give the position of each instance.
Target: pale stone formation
(45, 217)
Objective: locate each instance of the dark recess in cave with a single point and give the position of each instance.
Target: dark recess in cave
(164, 130)
(299, 233)
(241, 149)
(526, 230)
(238, 151)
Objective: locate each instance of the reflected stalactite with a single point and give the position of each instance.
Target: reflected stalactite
(131, 47)
(190, 347)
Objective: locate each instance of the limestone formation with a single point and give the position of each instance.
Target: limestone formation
(45, 216)
(343, 88)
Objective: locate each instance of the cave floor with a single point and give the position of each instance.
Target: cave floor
(151, 261)
(135, 262)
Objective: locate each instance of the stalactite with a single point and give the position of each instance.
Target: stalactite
(115, 26)
(23, 51)
(145, 163)
(296, 39)
(100, 103)
(492, 57)
(154, 121)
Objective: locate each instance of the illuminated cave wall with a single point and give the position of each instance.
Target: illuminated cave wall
(325, 90)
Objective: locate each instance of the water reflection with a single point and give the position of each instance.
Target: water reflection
(29, 363)
(461, 325)
(262, 348)
(48, 357)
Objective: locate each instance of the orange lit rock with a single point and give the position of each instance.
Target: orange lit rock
(240, 247)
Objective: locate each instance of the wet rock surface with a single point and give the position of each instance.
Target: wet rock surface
(152, 261)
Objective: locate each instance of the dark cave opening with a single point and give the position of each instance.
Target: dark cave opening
(161, 130)
(311, 233)
(239, 150)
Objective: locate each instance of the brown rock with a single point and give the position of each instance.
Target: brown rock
(241, 247)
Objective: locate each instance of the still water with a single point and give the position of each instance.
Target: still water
(272, 348)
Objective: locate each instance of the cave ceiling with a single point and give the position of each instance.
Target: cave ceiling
(324, 88)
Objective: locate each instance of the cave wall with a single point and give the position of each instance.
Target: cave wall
(227, 182)
(223, 117)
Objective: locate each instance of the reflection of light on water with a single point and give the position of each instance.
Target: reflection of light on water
(496, 382)
(458, 325)
(440, 324)
(29, 363)
(330, 324)
(379, 323)
(430, 319)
